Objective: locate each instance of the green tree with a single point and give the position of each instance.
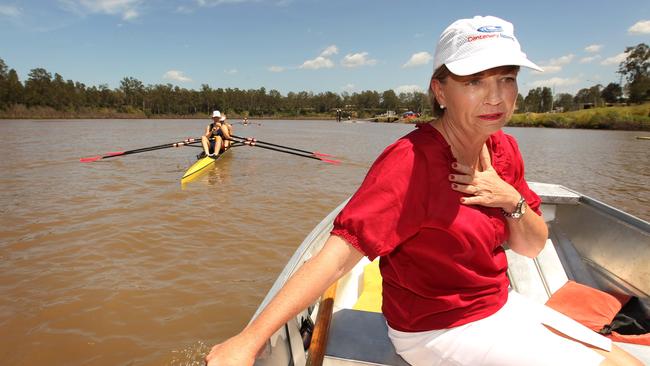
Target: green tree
(389, 100)
(636, 70)
(533, 101)
(612, 93)
(564, 102)
(639, 90)
(4, 75)
(546, 100)
(14, 88)
(582, 97)
(133, 90)
(520, 106)
(38, 88)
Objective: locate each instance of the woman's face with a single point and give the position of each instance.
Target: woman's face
(481, 102)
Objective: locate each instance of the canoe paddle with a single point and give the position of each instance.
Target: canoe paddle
(253, 142)
(315, 153)
(188, 141)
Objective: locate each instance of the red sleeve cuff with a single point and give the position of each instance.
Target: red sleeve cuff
(352, 240)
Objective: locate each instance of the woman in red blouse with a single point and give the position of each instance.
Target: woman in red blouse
(436, 207)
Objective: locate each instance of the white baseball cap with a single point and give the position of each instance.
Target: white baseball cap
(469, 46)
(216, 114)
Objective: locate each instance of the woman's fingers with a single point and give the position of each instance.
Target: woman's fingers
(462, 168)
(461, 178)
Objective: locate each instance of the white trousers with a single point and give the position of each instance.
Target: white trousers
(513, 336)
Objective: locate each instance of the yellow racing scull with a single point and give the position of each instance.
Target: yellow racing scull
(200, 166)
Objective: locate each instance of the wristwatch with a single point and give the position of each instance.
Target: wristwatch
(519, 211)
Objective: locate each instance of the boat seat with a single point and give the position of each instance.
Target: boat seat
(536, 278)
(360, 337)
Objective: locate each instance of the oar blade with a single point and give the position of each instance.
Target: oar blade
(90, 160)
(330, 161)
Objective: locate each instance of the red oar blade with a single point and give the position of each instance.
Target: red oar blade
(321, 154)
(95, 158)
(335, 162)
(90, 160)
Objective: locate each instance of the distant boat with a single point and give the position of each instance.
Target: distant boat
(643, 137)
(410, 115)
(589, 242)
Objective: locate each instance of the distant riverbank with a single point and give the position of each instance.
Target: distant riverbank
(634, 118)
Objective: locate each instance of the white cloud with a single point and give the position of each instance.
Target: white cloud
(323, 61)
(640, 27)
(126, 8)
(554, 65)
(408, 89)
(614, 60)
(10, 11)
(231, 71)
(550, 69)
(176, 76)
(276, 68)
(330, 51)
(319, 62)
(594, 48)
(589, 59)
(350, 88)
(418, 59)
(219, 2)
(212, 3)
(555, 82)
(130, 14)
(357, 60)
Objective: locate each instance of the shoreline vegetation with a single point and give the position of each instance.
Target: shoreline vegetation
(634, 117)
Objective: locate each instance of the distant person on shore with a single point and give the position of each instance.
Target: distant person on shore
(216, 135)
(437, 208)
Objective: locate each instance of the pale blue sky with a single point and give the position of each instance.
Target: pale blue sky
(312, 45)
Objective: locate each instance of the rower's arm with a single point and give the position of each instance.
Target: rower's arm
(303, 288)
(208, 132)
(226, 131)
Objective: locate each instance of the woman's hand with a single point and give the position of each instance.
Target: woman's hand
(232, 352)
(484, 185)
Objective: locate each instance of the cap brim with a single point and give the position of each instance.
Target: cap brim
(485, 61)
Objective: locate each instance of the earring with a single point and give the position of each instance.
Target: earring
(442, 106)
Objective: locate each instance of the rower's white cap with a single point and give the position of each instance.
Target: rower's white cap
(469, 46)
(216, 114)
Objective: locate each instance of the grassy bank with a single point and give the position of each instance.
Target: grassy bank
(636, 117)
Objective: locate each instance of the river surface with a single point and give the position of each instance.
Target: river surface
(115, 263)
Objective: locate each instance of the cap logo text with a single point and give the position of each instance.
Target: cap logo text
(490, 29)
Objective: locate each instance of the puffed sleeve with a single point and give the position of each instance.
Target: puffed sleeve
(390, 204)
